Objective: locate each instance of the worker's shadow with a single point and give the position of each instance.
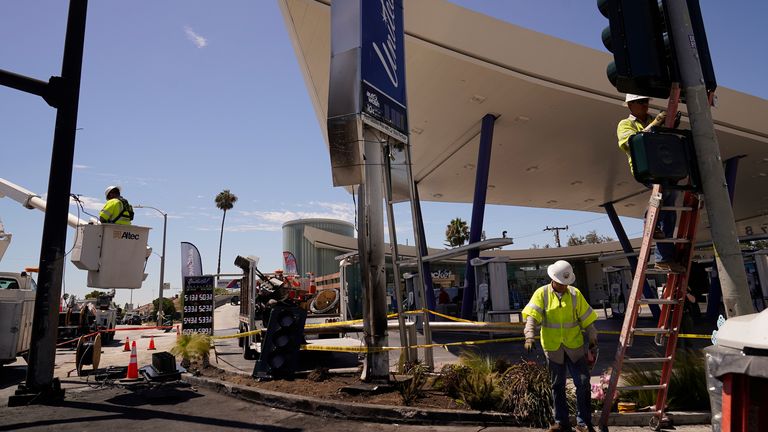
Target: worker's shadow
(167, 394)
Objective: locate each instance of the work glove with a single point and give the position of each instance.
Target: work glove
(660, 117)
(529, 345)
(592, 342)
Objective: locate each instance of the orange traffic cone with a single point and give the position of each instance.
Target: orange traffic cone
(133, 366)
(151, 344)
(126, 347)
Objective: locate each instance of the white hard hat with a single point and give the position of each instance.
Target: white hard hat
(109, 189)
(561, 272)
(633, 97)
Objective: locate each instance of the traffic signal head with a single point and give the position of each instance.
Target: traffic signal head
(280, 348)
(664, 158)
(643, 58)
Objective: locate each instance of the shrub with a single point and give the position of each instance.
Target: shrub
(527, 394)
(451, 375)
(479, 387)
(319, 374)
(413, 387)
(687, 386)
(193, 346)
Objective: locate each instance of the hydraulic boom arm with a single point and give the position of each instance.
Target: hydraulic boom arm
(32, 200)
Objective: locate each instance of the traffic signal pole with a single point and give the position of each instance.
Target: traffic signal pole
(730, 264)
(62, 93)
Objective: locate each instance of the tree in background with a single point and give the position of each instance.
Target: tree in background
(168, 308)
(456, 233)
(757, 245)
(591, 238)
(225, 200)
(94, 294)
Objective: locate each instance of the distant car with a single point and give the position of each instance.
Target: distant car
(132, 320)
(235, 300)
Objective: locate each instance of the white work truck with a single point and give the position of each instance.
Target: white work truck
(17, 304)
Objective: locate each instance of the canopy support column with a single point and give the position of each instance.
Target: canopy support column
(478, 210)
(627, 246)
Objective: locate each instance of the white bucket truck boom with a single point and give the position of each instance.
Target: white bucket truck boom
(113, 255)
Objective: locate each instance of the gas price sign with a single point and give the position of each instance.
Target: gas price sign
(198, 305)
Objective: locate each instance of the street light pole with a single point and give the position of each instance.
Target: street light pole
(162, 265)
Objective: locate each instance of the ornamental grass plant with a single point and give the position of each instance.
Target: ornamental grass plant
(195, 346)
(522, 389)
(687, 386)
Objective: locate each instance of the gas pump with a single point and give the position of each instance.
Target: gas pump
(619, 280)
(492, 289)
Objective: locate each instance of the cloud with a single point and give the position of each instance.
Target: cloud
(80, 167)
(196, 39)
(89, 203)
(273, 220)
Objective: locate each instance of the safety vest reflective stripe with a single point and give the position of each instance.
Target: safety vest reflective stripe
(536, 308)
(561, 325)
(586, 314)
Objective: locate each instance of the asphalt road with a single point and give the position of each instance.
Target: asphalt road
(185, 409)
(182, 408)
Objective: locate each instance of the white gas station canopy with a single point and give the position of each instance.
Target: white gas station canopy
(554, 143)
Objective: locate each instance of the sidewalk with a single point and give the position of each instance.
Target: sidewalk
(230, 359)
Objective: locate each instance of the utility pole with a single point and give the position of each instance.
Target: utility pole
(730, 263)
(62, 93)
(557, 232)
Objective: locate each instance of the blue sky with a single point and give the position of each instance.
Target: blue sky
(181, 99)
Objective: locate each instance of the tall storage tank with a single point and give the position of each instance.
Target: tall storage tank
(309, 258)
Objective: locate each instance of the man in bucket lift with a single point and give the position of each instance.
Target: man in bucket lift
(564, 314)
(640, 121)
(116, 210)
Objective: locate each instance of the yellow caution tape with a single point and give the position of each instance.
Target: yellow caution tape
(421, 311)
(239, 335)
(362, 349)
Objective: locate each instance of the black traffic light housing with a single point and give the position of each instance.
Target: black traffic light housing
(640, 37)
(665, 156)
(643, 56)
(280, 347)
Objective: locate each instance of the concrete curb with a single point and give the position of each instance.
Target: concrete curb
(403, 415)
(351, 411)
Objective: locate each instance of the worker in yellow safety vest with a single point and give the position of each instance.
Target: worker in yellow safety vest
(563, 314)
(117, 210)
(640, 121)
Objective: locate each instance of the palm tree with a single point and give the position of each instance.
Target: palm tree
(456, 233)
(225, 200)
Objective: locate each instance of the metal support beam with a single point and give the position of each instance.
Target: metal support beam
(28, 85)
(627, 246)
(715, 291)
(394, 253)
(731, 169)
(730, 263)
(429, 289)
(478, 210)
(371, 247)
(425, 280)
(42, 353)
